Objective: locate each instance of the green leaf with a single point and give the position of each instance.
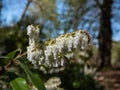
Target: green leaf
(19, 84)
(35, 79)
(10, 56)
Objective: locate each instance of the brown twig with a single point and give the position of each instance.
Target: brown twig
(15, 59)
(19, 56)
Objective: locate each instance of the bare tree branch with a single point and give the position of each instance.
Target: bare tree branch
(27, 5)
(99, 4)
(78, 16)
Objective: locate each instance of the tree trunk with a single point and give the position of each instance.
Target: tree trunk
(105, 34)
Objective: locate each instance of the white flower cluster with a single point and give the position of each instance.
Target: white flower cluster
(34, 53)
(53, 83)
(53, 52)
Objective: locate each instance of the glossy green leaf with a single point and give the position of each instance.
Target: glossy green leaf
(10, 56)
(19, 84)
(35, 79)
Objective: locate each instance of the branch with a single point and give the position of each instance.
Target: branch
(15, 59)
(99, 4)
(23, 14)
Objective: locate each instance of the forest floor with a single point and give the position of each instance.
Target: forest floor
(110, 79)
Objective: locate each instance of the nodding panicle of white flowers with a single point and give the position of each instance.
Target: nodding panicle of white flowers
(53, 51)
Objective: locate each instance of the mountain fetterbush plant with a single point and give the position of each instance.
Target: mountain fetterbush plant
(49, 56)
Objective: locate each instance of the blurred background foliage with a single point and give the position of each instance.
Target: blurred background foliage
(57, 17)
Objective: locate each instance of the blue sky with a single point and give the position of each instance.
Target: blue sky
(14, 8)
